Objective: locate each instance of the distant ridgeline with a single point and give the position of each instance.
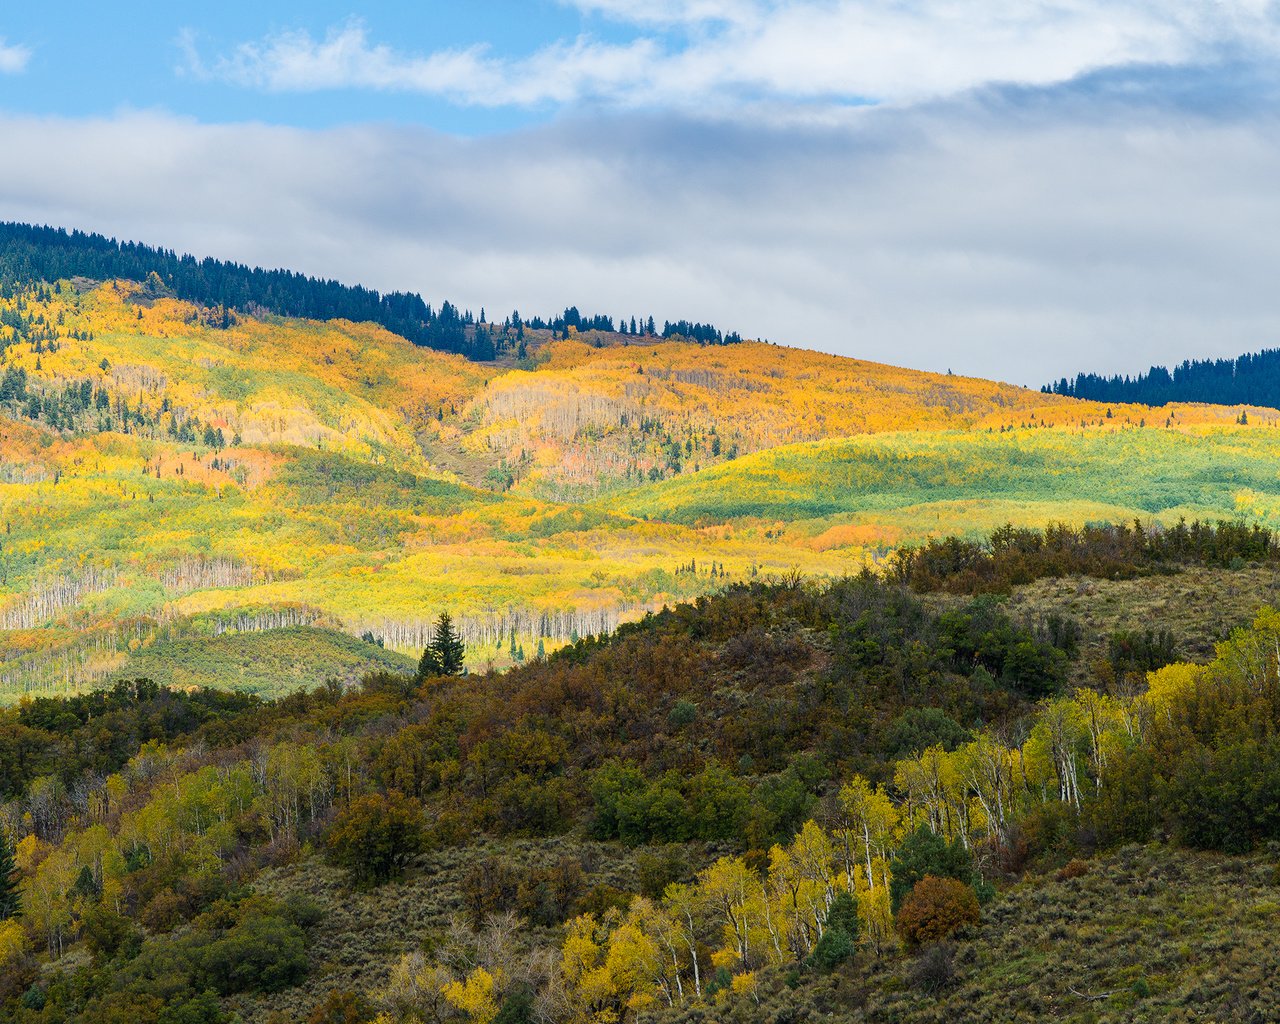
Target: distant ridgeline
(1252, 379)
(29, 253)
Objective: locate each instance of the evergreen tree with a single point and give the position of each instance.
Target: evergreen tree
(924, 853)
(447, 647)
(428, 665)
(9, 903)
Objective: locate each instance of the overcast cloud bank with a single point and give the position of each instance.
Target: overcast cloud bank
(1013, 234)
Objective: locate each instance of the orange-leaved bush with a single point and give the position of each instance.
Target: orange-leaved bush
(936, 908)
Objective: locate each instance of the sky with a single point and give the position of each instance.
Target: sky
(1017, 189)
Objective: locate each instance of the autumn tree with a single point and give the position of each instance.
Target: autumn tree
(341, 1007)
(936, 908)
(377, 836)
(922, 854)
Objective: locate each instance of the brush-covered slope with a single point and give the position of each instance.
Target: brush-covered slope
(663, 826)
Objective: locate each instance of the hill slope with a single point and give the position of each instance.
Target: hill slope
(165, 468)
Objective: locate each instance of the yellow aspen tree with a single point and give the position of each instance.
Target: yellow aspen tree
(476, 996)
(735, 894)
(688, 905)
(871, 821)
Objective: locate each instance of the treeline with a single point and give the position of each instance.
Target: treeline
(704, 334)
(1017, 555)
(30, 254)
(1251, 379)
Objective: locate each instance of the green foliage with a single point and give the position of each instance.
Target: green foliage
(377, 836)
(109, 934)
(518, 1008)
(1140, 651)
(833, 949)
(1226, 797)
(711, 805)
(259, 953)
(683, 712)
(443, 656)
(10, 905)
(660, 866)
(447, 647)
(918, 729)
(839, 936)
(922, 854)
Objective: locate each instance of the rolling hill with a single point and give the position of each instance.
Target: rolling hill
(167, 470)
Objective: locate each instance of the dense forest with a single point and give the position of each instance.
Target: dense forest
(781, 796)
(30, 254)
(1250, 379)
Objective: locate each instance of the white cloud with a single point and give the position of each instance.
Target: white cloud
(1017, 238)
(346, 58)
(672, 12)
(727, 51)
(13, 58)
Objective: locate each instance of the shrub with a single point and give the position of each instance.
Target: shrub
(833, 949)
(340, 1007)
(109, 934)
(164, 912)
(302, 910)
(683, 712)
(490, 886)
(936, 909)
(658, 867)
(934, 969)
(377, 836)
(1074, 868)
(546, 895)
(262, 954)
(918, 729)
(839, 936)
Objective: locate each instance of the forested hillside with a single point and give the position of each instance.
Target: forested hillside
(334, 475)
(852, 798)
(613, 678)
(29, 253)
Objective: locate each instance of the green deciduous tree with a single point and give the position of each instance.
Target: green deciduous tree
(377, 836)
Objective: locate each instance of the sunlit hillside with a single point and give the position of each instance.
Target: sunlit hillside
(172, 473)
(162, 363)
(588, 418)
(901, 486)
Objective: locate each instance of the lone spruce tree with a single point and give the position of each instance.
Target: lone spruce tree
(9, 903)
(447, 647)
(443, 656)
